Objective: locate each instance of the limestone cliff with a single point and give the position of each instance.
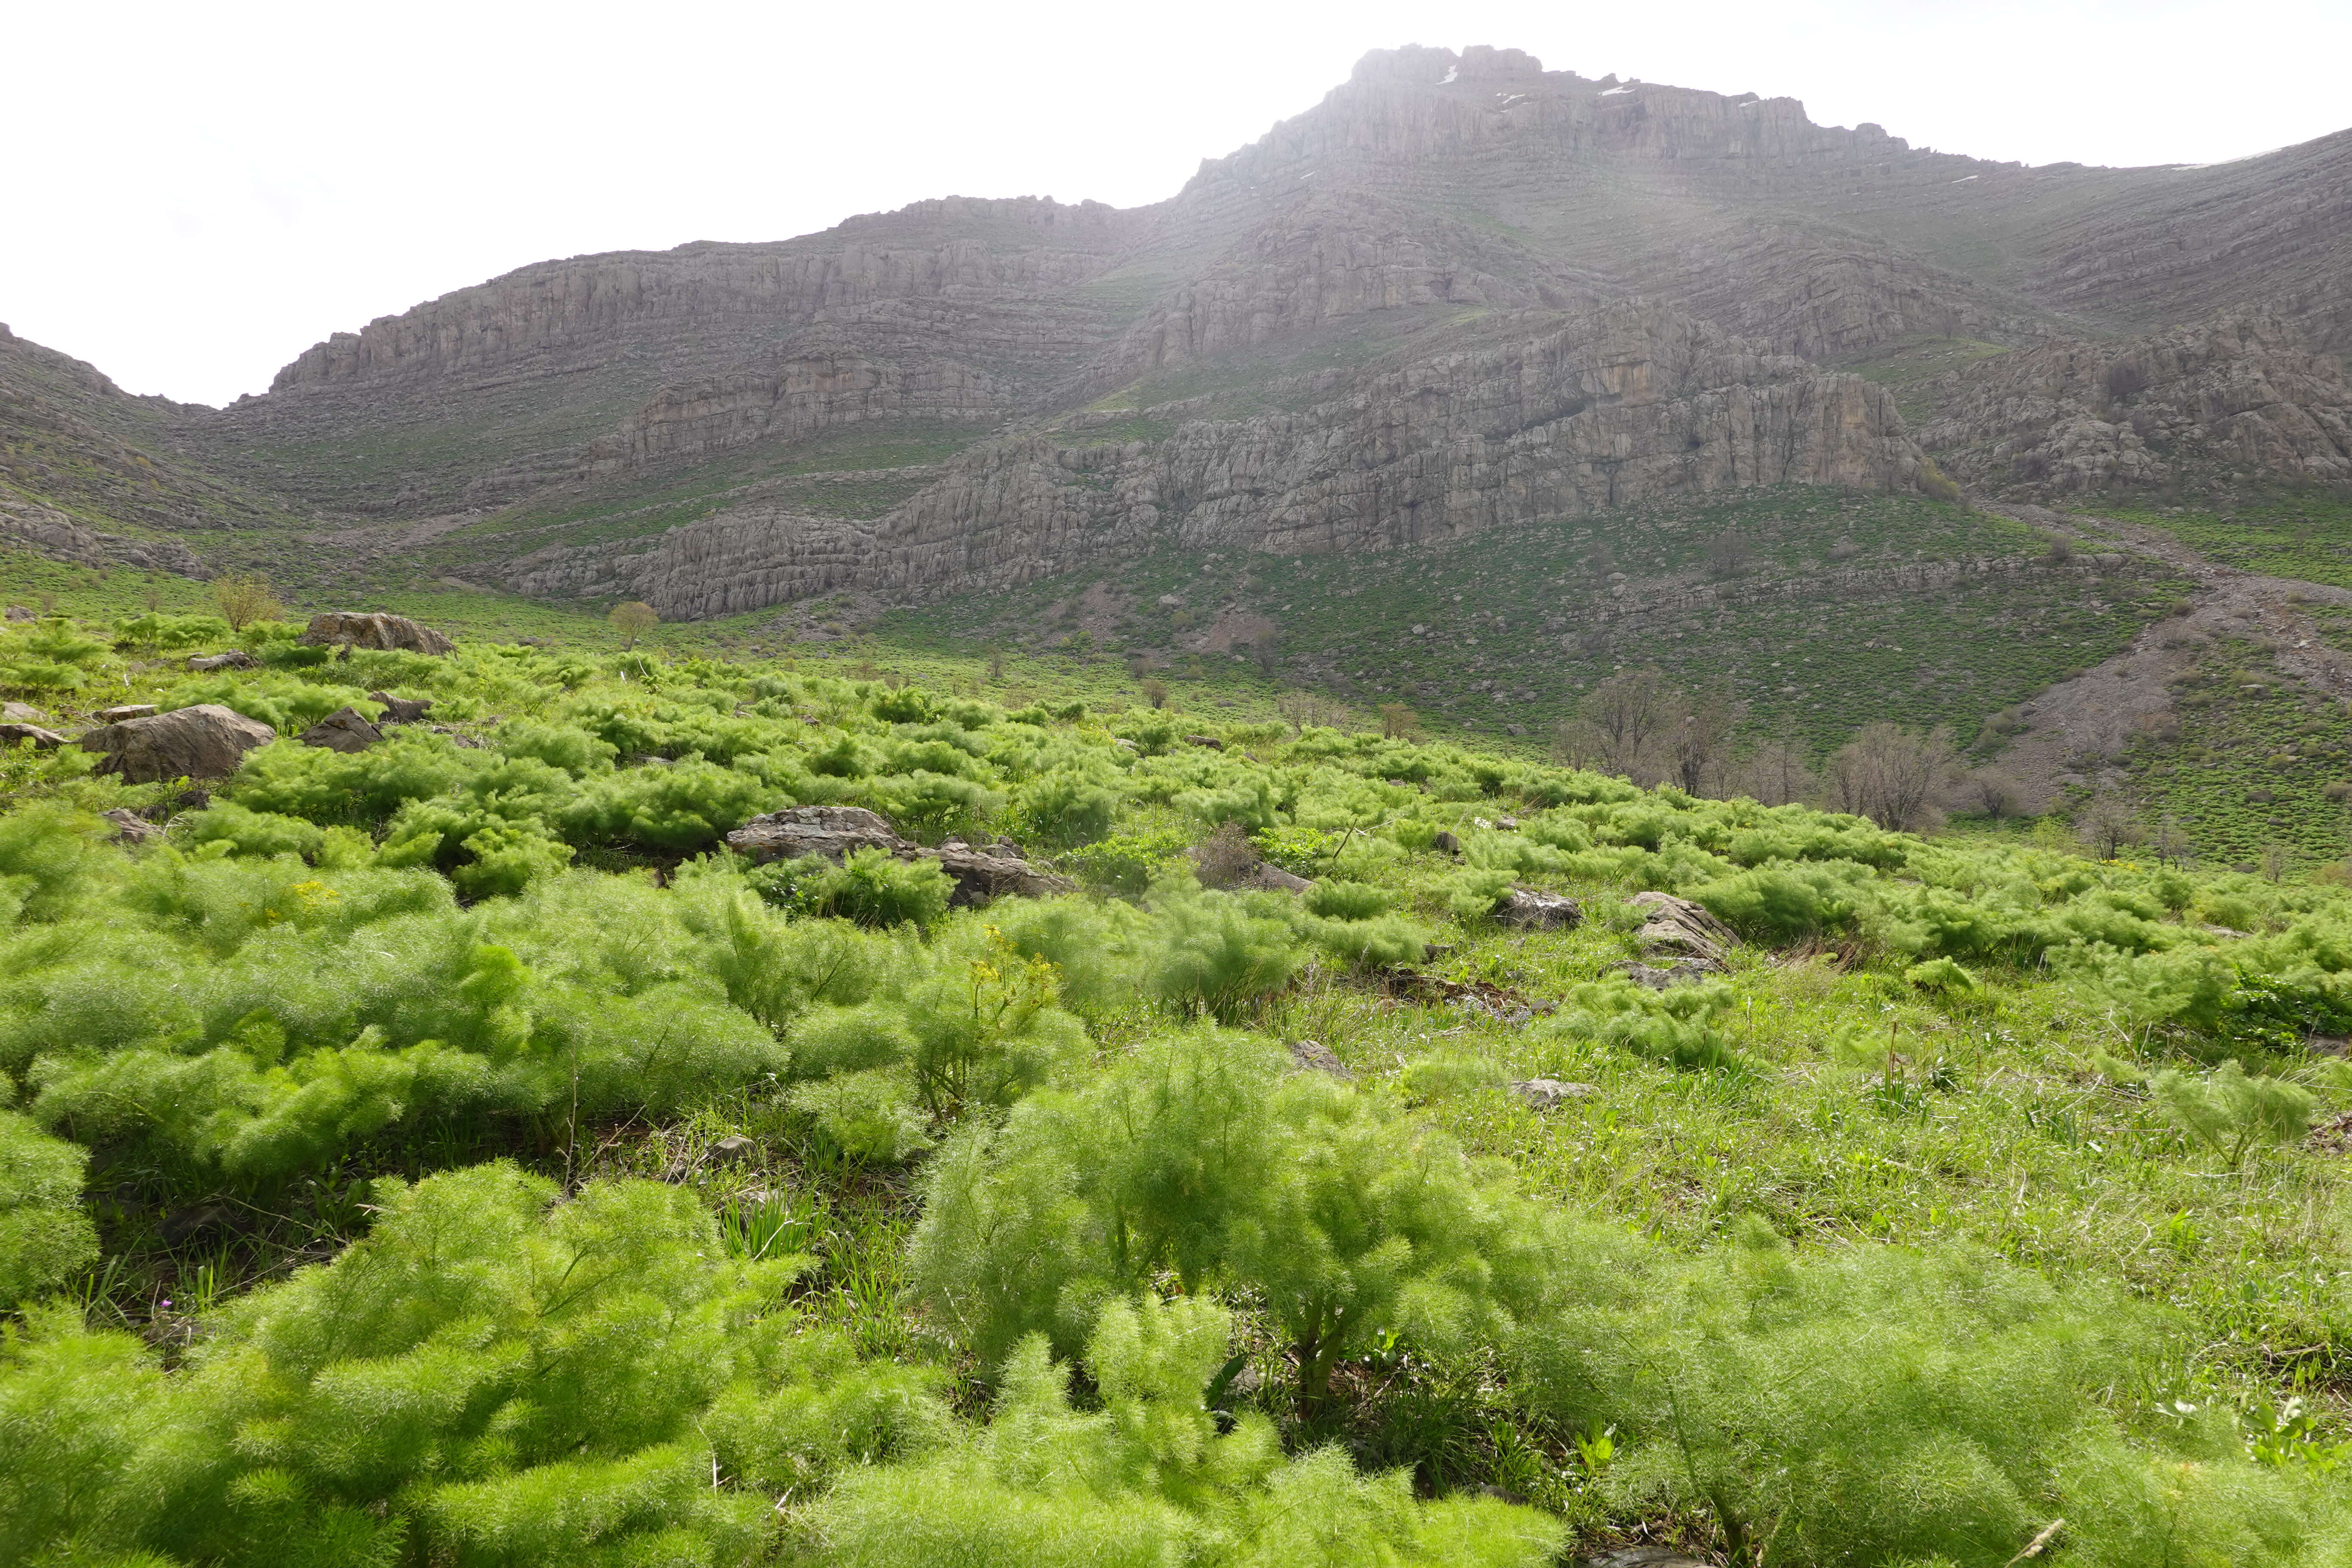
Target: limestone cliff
(1530, 417)
(2240, 393)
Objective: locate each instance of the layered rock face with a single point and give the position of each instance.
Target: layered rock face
(1545, 417)
(45, 531)
(1462, 291)
(2239, 394)
(943, 249)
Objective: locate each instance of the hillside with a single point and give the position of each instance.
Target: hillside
(1592, 363)
(493, 1136)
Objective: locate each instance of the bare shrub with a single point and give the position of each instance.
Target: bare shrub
(1224, 857)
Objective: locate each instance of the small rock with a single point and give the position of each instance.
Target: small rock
(1506, 825)
(182, 1224)
(401, 709)
(1274, 879)
(22, 713)
(235, 658)
(128, 711)
(1445, 843)
(733, 1150)
(1641, 1557)
(1551, 1093)
(12, 733)
(130, 828)
(344, 730)
(1209, 740)
(19, 613)
(1666, 972)
(1315, 1057)
(1527, 909)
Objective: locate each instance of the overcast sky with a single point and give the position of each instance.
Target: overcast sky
(195, 193)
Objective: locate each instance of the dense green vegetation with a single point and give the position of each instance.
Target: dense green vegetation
(2304, 535)
(451, 1153)
(1817, 611)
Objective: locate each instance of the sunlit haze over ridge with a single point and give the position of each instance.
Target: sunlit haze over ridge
(199, 194)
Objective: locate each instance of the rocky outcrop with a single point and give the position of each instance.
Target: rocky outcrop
(45, 531)
(383, 633)
(206, 741)
(836, 831)
(2240, 393)
(1527, 908)
(1680, 934)
(954, 247)
(1530, 417)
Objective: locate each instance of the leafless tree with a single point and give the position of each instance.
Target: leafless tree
(1702, 740)
(1308, 709)
(1729, 554)
(2169, 842)
(1777, 773)
(1992, 793)
(1155, 691)
(1398, 723)
(2107, 824)
(1893, 775)
(1629, 714)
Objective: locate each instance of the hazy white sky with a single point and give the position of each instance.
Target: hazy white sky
(195, 194)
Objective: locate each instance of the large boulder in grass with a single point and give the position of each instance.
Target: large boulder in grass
(13, 733)
(982, 876)
(831, 831)
(211, 663)
(344, 730)
(836, 831)
(1527, 909)
(206, 742)
(399, 710)
(22, 713)
(1679, 928)
(388, 634)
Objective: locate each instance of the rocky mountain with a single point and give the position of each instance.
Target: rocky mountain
(1462, 293)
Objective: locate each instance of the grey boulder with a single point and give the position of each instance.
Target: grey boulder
(389, 633)
(344, 730)
(235, 658)
(206, 742)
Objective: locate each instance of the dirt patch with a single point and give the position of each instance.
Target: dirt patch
(2075, 730)
(1234, 627)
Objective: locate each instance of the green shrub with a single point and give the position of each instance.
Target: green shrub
(1064, 810)
(1349, 900)
(873, 887)
(1196, 1156)
(1152, 1477)
(2229, 1111)
(488, 1377)
(1215, 952)
(1856, 1405)
(44, 1238)
(1676, 1028)
(245, 832)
